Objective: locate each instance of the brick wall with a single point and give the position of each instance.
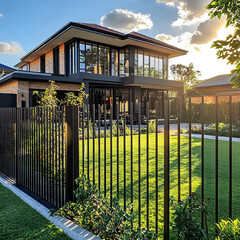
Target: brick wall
(49, 62)
(62, 59)
(35, 65)
(11, 88)
(23, 93)
(62, 86)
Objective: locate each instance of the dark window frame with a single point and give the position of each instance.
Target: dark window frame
(42, 64)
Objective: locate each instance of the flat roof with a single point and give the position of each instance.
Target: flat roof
(94, 32)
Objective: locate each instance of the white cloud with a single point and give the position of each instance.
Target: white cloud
(126, 21)
(202, 56)
(10, 48)
(207, 31)
(181, 41)
(1, 15)
(189, 11)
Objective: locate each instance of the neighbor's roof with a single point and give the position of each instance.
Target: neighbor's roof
(215, 81)
(99, 33)
(2, 66)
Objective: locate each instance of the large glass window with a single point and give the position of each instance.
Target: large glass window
(88, 58)
(140, 62)
(107, 61)
(136, 62)
(160, 67)
(70, 59)
(152, 65)
(101, 59)
(156, 66)
(165, 68)
(146, 64)
(82, 56)
(121, 62)
(114, 62)
(126, 63)
(98, 59)
(94, 59)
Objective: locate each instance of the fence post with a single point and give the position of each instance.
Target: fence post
(72, 150)
(16, 146)
(166, 169)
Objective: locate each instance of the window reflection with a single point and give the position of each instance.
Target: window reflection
(149, 64)
(114, 62)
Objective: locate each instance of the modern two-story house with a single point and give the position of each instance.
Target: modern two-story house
(115, 67)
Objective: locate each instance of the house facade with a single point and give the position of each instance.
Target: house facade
(115, 67)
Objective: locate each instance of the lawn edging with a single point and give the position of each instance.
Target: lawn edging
(70, 228)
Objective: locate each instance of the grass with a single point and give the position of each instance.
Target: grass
(209, 172)
(20, 221)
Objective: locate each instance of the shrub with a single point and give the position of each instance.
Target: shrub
(229, 230)
(185, 223)
(94, 213)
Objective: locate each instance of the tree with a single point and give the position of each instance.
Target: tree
(185, 74)
(49, 97)
(75, 100)
(230, 47)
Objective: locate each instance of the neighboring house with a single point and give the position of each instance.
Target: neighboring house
(114, 66)
(5, 70)
(219, 85)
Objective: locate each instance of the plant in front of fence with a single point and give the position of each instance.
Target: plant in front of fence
(229, 230)
(94, 213)
(186, 219)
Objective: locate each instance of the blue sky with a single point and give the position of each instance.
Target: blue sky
(25, 24)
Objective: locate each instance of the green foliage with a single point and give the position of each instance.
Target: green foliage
(229, 230)
(49, 97)
(185, 74)
(223, 130)
(186, 220)
(75, 100)
(228, 48)
(94, 213)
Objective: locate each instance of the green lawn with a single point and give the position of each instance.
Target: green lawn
(19, 221)
(196, 173)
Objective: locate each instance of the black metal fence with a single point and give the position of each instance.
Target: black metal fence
(136, 157)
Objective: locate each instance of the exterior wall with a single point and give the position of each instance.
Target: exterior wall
(213, 90)
(62, 86)
(23, 93)
(20, 88)
(35, 65)
(11, 87)
(62, 59)
(49, 62)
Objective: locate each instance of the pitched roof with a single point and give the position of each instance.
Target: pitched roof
(215, 81)
(104, 31)
(2, 66)
(102, 28)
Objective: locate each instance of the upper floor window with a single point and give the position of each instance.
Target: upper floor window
(150, 64)
(26, 67)
(42, 64)
(56, 61)
(98, 59)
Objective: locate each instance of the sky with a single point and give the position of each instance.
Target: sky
(184, 23)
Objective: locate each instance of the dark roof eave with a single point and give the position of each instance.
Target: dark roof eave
(100, 30)
(37, 77)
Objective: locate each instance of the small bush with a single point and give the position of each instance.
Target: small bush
(229, 230)
(185, 223)
(94, 213)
